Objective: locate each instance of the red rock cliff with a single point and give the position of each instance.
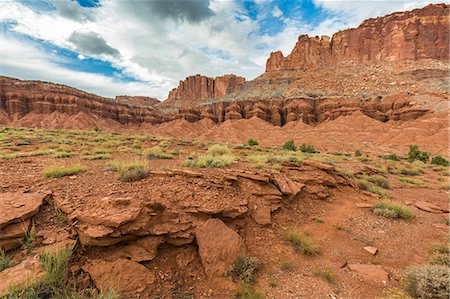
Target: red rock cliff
(410, 35)
(137, 100)
(202, 88)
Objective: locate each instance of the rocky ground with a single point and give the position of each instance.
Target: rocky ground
(139, 216)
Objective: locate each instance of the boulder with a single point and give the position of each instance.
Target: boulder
(21, 275)
(17, 206)
(219, 246)
(262, 215)
(128, 278)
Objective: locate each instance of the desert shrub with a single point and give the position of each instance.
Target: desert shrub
(157, 152)
(218, 150)
(272, 281)
(63, 155)
(415, 154)
(245, 268)
(246, 291)
(129, 171)
(307, 148)
(97, 157)
(286, 266)
(411, 182)
(101, 150)
(390, 209)
(428, 281)
(358, 153)
(30, 239)
(346, 172)
(377, 180)
(61, 171)
(5, 262)
(438, 160)
(301, 242)
(326, 274)
(409, 170)
(252, 142)
(365, 185)
(439, 254)
(290, 146)
(392, 157)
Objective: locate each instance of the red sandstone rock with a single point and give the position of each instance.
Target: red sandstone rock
(21, 275)
(219, 246)
(200, 87)
(17, 206)
(371, 272)
(128, 278)
(137, 101)
(417, 34)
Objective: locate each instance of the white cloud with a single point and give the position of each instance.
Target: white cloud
(36, 64)
(81, 57)
(276, 12)
(163, 50)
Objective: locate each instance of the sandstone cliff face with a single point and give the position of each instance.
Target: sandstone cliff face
(412, 35)
(19, 98)
(137, 100)
(202, 88)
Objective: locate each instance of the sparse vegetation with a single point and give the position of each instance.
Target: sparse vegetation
(301, 242)
(391, 209)
(438, 160)
(290, 146)
(157, 152)
(97, 157)
(411, 182)
(392, 157)
(129, 171)
(5, 262)
(245, 269)
(377, 180)
(63, 154)
(409, 170)
(358, 153)
(439, 254)
(273, 282)
(252, 142)
(286, 266)
(428, 281)
(61, 171)
(246, 291)
(217, 156)
(307, 148)
(415, 154)
(30, 239)
(365, 185)
(326, 274)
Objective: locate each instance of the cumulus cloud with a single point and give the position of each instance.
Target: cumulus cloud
(72, 10)
(92, 44)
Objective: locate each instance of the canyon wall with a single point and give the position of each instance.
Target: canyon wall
(19, 98)
(137, 101)
(200, 87)
(411, 35)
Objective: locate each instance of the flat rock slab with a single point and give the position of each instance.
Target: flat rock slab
(286, 186)
(129, 278)
(110, 211)
(364, 205)
(219, 246)
(262, 216)
(21, 275)
(370, 249)
(188, 173)
(17, 206)
(370, 272)
(15, 230)
(320, 165)
(429, 207)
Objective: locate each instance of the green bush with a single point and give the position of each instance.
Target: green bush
(252, 142)
(301, 242)
(392, 157)
(428, 281)
(5, 262)
(390, 209)
(290, 146)
(415, 154)
(307, 148)
(157, 152)
(218, 150)
(61, 171)
(358, 153)
(245, 268)
(438, 160)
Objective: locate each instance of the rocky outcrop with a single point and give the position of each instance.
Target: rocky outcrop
(20, 98)
(22, 275)
(412, 35)
(137, 101)
(200, 87)
(16, 210)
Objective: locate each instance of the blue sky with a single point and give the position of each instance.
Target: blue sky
(140, 47)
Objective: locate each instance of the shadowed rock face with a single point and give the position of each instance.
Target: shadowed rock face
(137, 100)
(412, 35)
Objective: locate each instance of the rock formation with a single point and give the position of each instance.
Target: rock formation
(137, 101)
(412, 35)
(200, 87)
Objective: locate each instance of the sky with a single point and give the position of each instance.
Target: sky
(145, 47)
